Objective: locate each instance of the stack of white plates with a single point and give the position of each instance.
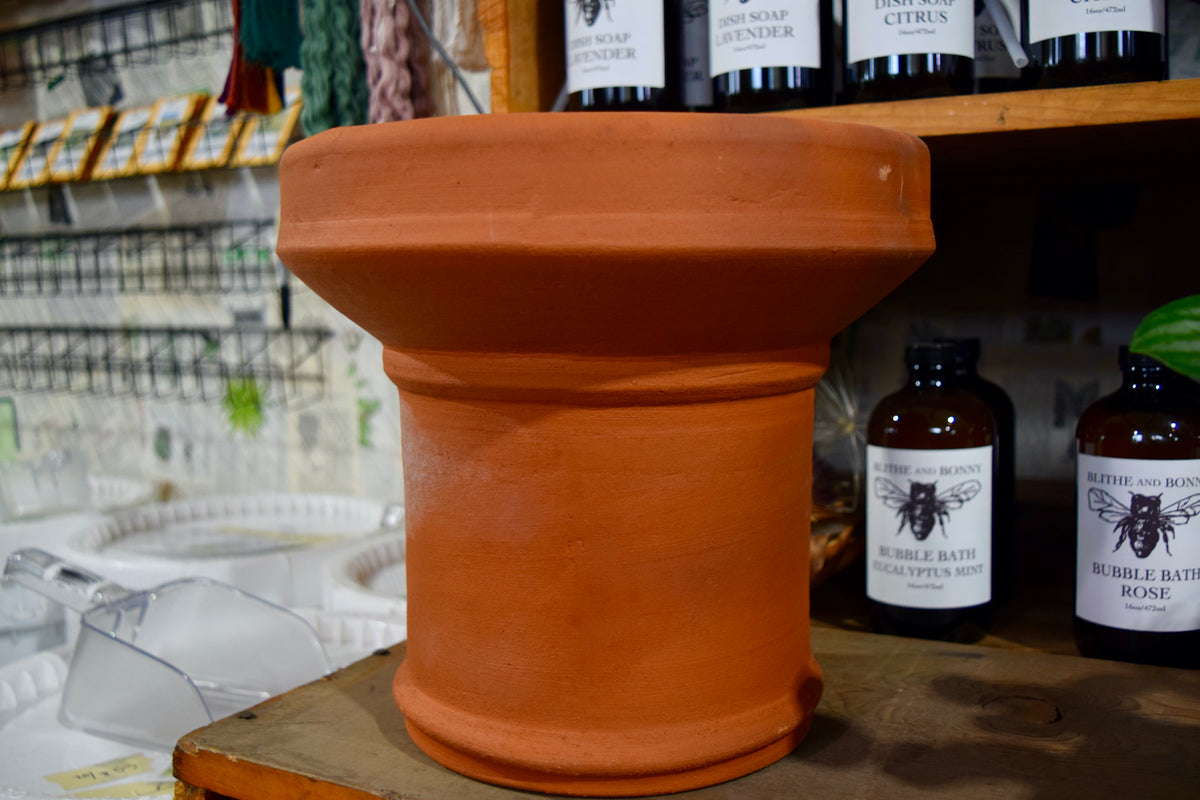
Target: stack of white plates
(110, 492)
(369, 579)
(274, 546)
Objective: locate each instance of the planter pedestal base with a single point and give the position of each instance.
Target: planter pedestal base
(489, 770)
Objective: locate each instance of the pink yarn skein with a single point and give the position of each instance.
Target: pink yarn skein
(386, 48)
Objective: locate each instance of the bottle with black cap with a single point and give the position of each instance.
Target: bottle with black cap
(929, 503)
(1137, 541)
(623, 56)
(696, 84)
(769, 55)
(1073, 43)
(896, 50)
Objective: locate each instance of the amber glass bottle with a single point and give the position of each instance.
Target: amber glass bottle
(1137, 477)
(929, 503)
(896, 51)
(1004, 554)
(1080, 44)
(772, 54)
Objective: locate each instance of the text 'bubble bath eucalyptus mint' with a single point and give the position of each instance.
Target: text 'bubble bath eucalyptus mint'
(929, 498)
(1137, 542)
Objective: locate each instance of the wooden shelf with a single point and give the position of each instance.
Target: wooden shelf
(524, 41)
(899, 718)
(1034, 110)
(1146, 126)
(1130, 131)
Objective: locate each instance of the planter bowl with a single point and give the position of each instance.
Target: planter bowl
(605, 330)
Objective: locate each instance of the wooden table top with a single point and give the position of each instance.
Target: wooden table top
(899, 718)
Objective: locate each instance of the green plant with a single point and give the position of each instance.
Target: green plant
(9, 439)
(162, 444)
(243, 402)
(1171, 334)
(366, 410)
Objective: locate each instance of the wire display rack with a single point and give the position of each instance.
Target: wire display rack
(283, 367)
(221, 257)
(148, 32)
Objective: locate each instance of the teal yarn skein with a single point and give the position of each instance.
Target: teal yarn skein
(270, 32)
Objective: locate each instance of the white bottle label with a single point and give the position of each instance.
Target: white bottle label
(879, 28)
(614, 43)
(1138, 543)
(992, 59)
(764, 33)
(1051, 18)
(929, 526)
(697, 83)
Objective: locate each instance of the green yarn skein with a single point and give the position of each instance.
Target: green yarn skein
(334, 77)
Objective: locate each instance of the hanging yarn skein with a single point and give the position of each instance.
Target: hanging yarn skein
(461, 32)
(334, 79)
(349, 68)
(316, 68)
(386, 49)
(419, 59)
(250, 85)
(270, 32)
(456, 25)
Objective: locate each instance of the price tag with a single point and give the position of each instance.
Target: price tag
(103, 772)
(131, 789)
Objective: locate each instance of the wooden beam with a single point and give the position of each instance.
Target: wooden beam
(523, 40)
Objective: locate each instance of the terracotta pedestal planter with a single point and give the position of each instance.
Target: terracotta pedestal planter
(605, 330)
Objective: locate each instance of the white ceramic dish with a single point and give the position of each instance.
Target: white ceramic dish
(271, 545)
(110, 492)
(370, 578)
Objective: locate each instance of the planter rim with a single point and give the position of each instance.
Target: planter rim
(608, 184)
(607, 234)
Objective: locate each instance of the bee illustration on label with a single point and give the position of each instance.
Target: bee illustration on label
(921, 506)
(1144, 521)
(589, 10)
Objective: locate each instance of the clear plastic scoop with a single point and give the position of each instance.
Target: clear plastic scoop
(149, 666)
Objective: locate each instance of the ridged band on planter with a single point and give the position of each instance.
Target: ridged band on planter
(605, 330)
